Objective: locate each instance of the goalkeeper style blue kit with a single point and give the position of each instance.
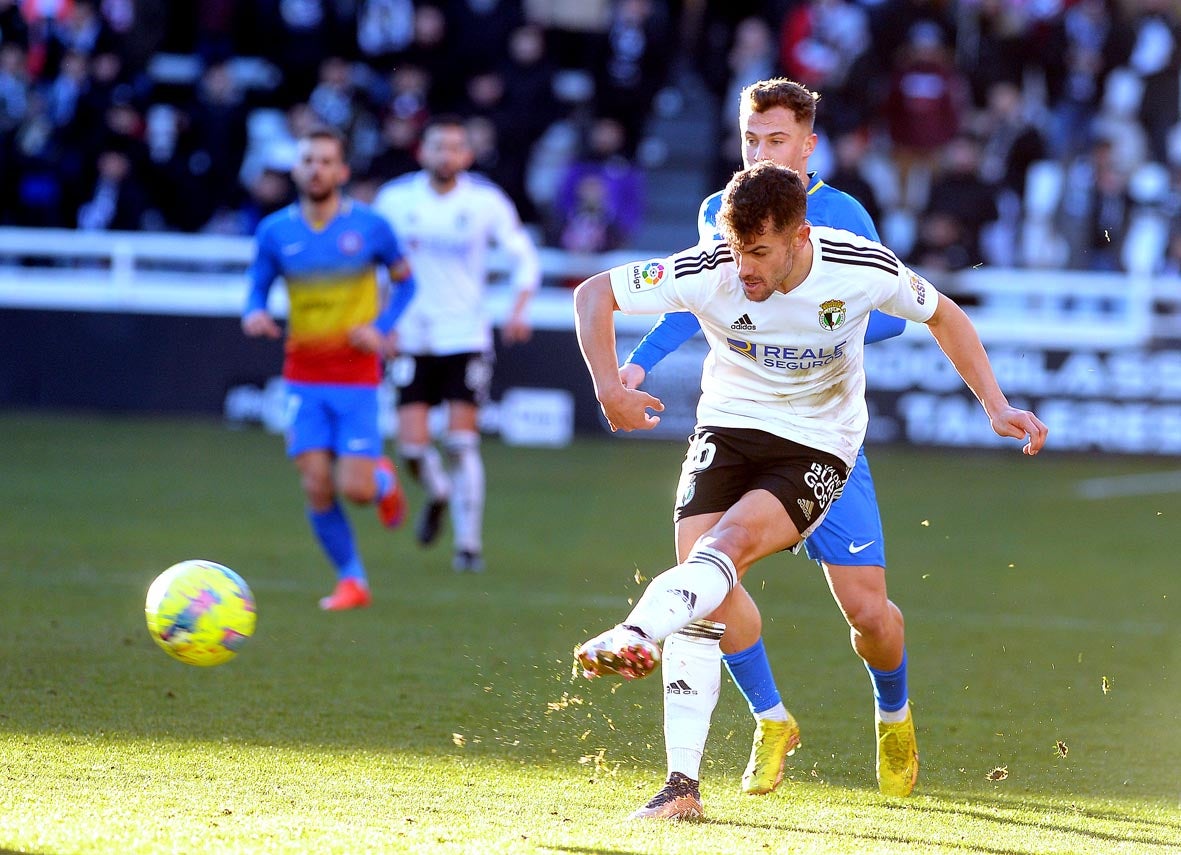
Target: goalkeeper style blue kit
(851, 534)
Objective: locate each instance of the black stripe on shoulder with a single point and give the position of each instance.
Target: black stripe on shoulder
(704, 260)
(851, 253)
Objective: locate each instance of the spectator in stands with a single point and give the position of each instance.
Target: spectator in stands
(753, 56)
(821, 44)
(385, 28)
(600, 201)
(14, 88)
(431, 50)
(1103, 221)
(213, 143)
(632, 65)
(1079, 53)
(925, 105)
(1010, 141)
(38, 187)
(850, 151)
(960, 196)
(120, 200)
(299, 40)
(1155, 57)
(480, 32)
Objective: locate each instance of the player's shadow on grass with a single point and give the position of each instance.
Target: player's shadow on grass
(1145, 826)
(1133, 829)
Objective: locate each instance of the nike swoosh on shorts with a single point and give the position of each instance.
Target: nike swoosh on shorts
(854, 548)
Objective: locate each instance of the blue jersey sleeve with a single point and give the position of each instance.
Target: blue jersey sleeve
(671, 331)
(882, 326)
(264, 270)
(401, 293)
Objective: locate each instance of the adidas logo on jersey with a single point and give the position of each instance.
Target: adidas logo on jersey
(688, 596)
(679, 687)
(743, 323)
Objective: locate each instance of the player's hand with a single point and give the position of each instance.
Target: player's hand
(1020, 424)
(516, 330)
(631, 375)
(260, 324)
(627, 409)
(367, 338)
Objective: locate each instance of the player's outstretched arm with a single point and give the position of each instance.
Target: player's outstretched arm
(670, 332)
(957, 337)
(594, 323)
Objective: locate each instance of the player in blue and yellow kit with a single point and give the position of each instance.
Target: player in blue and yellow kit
(776, 119)
(329, 250)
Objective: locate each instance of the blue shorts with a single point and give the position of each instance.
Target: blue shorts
(851, 534)
(333, 417)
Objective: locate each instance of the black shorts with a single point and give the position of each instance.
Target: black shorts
(432, 380)
(723, 464)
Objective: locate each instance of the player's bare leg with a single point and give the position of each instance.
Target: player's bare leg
(425, 465)
(331, 527)
(877, 633)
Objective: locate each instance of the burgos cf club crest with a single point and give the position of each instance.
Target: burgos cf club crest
(832, 314)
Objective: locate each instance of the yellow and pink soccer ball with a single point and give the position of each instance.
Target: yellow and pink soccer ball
(200, 612)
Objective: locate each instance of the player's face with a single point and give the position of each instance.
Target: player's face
(445, 152)
(320, 170)
(768, 262)
(778, 136)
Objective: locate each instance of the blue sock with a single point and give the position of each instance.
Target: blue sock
(889, 687)
(332, 530)
(752, 675)
(385, 483)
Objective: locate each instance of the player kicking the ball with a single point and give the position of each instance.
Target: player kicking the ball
(782, 412)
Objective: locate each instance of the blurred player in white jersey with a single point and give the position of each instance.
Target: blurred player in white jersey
(784, 307)
(448, 219)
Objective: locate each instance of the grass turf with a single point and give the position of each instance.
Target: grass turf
(1041, 627)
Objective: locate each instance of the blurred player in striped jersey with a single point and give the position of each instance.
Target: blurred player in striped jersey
(449, 219)
(330, 251)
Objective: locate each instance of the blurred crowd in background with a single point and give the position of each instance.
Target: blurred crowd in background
(1028, 133)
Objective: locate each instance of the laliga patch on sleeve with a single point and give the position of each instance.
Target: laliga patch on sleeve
(919, 285)
(646, 276)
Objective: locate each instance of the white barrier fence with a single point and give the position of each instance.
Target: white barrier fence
(203, 275)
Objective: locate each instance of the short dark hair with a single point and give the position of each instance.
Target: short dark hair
(763, 197)
(763, 95)
(327, 132)
(445, 120)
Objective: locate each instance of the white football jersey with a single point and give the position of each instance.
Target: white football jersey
(791, 365)
(446, 238)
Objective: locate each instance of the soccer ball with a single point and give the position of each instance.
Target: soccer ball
(200, 612)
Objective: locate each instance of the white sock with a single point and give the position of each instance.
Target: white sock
(426, 465)
(467, 491)
(891, 716)
(776, 713)
(684, 593)
(692, 669)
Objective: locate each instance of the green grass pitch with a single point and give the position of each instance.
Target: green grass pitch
(1042, 627)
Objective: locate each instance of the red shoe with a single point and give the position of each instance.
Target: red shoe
(348, 594)
(392, 509)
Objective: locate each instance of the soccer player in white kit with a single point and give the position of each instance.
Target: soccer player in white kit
(448, 219)
(782, 412)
